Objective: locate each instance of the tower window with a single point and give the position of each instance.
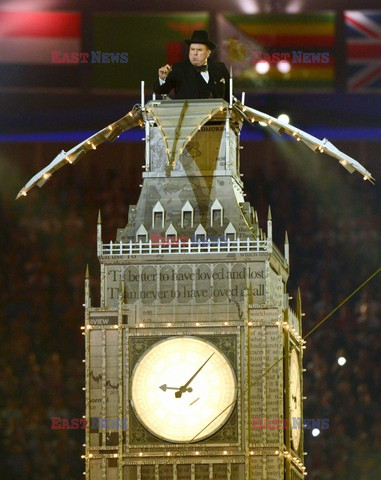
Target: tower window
(200, 234)
(230, 232)
(157, 219)
(171, 234)
(141, 234)
(187, 214)
(187, 219)
(216, 217)
(158, 216)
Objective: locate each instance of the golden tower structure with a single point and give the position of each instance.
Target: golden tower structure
(193, 357)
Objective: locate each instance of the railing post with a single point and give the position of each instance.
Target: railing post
(111, 248)
(189, 245)
(120, 248)
(150, 246)
(179, 243)
(269, 244)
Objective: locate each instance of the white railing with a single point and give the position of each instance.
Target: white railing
(189, 247)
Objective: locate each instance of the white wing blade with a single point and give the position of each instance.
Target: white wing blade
(323, 146)
(110, 133)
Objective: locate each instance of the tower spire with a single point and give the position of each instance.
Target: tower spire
(286, 249)
(87, 288)
(269, 225)
(99, 234)
(299, 304)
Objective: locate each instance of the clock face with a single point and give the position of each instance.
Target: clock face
(295, 400)
(183, 389)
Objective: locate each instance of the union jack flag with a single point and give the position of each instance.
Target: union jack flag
(363, 37)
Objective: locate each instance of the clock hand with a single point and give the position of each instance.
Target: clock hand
(165, 387)
(184, 388)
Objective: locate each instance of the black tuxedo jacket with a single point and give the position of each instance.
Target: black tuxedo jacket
(183, 79)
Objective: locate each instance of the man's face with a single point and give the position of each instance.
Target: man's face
(198, 54)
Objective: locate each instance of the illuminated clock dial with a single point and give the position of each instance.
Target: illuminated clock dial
(295, 400)
(183, 389)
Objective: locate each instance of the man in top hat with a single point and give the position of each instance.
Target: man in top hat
(198, 76)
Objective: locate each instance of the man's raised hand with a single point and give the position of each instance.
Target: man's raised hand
(164, 71)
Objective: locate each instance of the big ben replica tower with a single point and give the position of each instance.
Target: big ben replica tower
(193, 357)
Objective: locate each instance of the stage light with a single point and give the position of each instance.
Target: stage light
(315, 432)
(262, 67)
(249, 6)
(341, 361)
(283, 117)
(283, 66)
(294, 6)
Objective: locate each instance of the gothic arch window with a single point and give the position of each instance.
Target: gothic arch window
(171, 233)
(187, 215)
(230, 232)
(216, 214)
(158, 216)
(141, 234)
(200, 233)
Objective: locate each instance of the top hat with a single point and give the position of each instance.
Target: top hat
(201, 36)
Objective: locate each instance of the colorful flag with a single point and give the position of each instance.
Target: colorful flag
(306, 41)
(150, 41)
(363, 38)
(27, 40)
